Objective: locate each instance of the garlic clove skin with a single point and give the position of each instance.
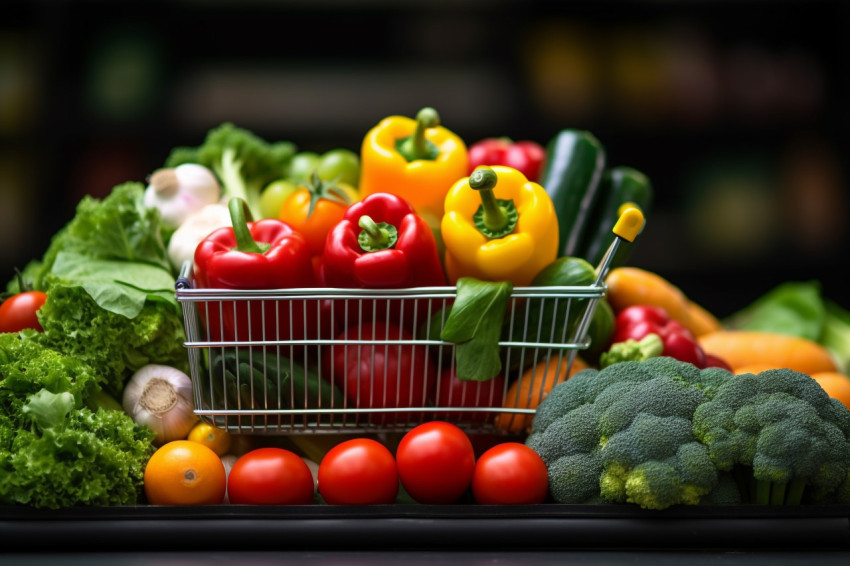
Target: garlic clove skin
(199, 225)
(180, 191)
(160, 397)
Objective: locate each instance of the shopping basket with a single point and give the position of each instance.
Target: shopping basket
(253, 372)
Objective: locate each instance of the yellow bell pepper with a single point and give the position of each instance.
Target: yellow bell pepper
(418, 160)
(498, 226)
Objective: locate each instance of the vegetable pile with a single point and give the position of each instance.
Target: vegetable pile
(663, 404)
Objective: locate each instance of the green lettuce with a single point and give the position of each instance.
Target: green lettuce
(54, 451)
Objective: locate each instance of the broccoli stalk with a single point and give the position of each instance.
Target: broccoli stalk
(649, 346)
(243, 162)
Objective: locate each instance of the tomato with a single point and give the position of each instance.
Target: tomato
(312, 210)
(435, 462)
(272, 197)
(303, 164)
(340, 164)
(360, 471)
(18, 312)
(510, 473)
(452, 392)
(270, 476)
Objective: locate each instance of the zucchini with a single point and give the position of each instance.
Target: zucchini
(619, 185)
(575, 161)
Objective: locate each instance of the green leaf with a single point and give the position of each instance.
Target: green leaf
(792, 308)
(474, 324)
(120, 287)
(49, 409)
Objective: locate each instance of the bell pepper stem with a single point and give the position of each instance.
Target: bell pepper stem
(416, 146)
(376, 236)
(495, 218)
(240, 215)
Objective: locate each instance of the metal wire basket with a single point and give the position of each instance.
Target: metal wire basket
(256, 368)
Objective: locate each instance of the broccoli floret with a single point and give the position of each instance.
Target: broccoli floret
(650, 346)
(624, 434)
(243, 162)
(781, 434)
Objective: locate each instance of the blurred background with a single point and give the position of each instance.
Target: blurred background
(737, 111)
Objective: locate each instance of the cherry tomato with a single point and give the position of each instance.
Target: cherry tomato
(360, 471)
(435, 462)
(272, 197)
(270, 476)
(313, 210)
(18, 312)
(510, 473)
(452, 392)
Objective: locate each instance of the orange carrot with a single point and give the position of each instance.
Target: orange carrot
(531, 388)
(836, 385)
(629, 286)
(744, 347)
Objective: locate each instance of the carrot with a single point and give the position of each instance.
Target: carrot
(757, 367)
(745, 347)
(629, 286)
(531, 388)
(836, 385)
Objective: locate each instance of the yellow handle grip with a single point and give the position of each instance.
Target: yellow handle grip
(630, 223)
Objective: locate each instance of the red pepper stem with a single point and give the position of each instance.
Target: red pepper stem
(495, 218)
(375, 236)
(416, 146)
(240, 215)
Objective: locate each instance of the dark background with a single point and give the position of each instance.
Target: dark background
(737, 111)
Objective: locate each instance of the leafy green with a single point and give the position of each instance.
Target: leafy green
(793, 308)
(474, 324)
(54, 452)
(800, 309)
(113, 344)
(118, 286)
(117, 227)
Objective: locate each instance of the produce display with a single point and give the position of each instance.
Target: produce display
(459, 323)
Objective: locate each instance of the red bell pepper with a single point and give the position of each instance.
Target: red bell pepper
(377, 376)
(267, 254)
(381, 243)
(639, 320)
(525, 156)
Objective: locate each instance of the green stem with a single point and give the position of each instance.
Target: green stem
(240, 215)
(777, 493)
(795, 491)
(416, 146)
(376, 236)
(762, 492)
(495, 218)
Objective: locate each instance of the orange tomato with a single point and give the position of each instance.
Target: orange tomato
(214, 438)
(183, 472)
(531, 388)
(316, 207)
(836, 385)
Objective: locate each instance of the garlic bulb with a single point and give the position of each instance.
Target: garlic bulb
(160, 397)
(178, 192)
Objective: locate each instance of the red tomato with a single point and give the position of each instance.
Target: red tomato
(435, 462)
(360, 471)
(270, 476)
(19, 311)
(452, 392)
(510, 473)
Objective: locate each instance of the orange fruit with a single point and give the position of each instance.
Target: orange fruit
(836, 385)
(182, 472)
(531, 388)
(214, 438)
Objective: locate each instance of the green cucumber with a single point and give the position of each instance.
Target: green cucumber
(575, 161)
(619, 185)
